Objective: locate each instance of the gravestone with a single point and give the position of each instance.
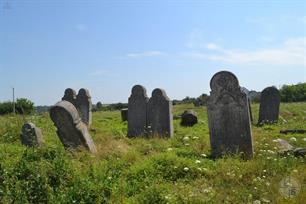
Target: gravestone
(84, 106)
(189, 118)
(70, 95)
(31, 136)
(137, 115)
(71, 130)
(228, 117)
(269, 105)
(160, 119)
(124, 114)
(247, 92)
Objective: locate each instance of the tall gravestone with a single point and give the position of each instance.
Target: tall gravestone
(160, 119)
(269, 105)
(84, 106)
(137, 112)
(228, 116)
(71, 130)
(31, 135)
(70, 95)
(247, 92)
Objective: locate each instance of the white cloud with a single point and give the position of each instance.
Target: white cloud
(152, 53)
(291, 52)
(80, 27)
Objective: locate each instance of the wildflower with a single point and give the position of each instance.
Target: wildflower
(267, 184)
(186, 169)
(187, 144)
(195, 138)
(295, 171)
(304, 139)
(293, 139)
(203, 155)
(264, 171)
(265, 200)
(197, 161)
(169, 149)
(186, 138)
(256, 202)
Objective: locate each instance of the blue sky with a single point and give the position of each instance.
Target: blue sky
(109, 46)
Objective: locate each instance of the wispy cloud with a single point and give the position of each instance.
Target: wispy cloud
(80, 27)
(152, 53)
(291, 52)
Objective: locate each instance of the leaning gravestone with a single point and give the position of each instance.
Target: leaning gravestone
(189, 118)
(31, 136)
(124, 114)
(71, 130)
(228, 116)
(137, 115)
(269, 105)
(70, 95)
(160, 119)
(84, 106)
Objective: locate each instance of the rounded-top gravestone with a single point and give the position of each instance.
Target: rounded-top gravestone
(31, 135)
(137, 112)
(70, 95)
(269, 105)
(160, 118)
(228, 117)
(71, 130)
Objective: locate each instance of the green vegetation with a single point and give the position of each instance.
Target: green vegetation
(293, 93)
(22, 105)
(176, 170)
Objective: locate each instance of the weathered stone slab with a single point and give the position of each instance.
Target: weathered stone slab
(247, 92)
(70, 95)
(71, 130)
(137, 115)
(160, 118)
(228, 116)
(189, 118)
(31, 135)
(269, 105)
(84, 106)
(124, 114)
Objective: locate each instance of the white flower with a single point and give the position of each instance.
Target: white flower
(264, 171)
(187, 144)
(195, 138)
(197, 161)
(256, 202)
(293, 139)
(203, 155)
(169, 149)
(265, 200)
(304, 139)
(186, 169)
(186, 138)
(295, 171)
(268, 184)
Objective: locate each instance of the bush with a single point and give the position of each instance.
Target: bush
(293, 93)
(22, 106)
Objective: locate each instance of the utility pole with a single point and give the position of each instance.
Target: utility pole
(14, 111)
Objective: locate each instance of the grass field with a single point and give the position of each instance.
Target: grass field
(176, 170)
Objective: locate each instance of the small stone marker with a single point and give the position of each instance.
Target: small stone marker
(228, 117)
(269, 105)
(70, 95)
(84, 106)
(137, 112)
(124, 114)
(160, 118)
(31, 136)
(71, 130)
(189, 118)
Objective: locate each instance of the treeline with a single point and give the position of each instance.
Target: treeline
(22, 106)
(199, 101)
(293, 93)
